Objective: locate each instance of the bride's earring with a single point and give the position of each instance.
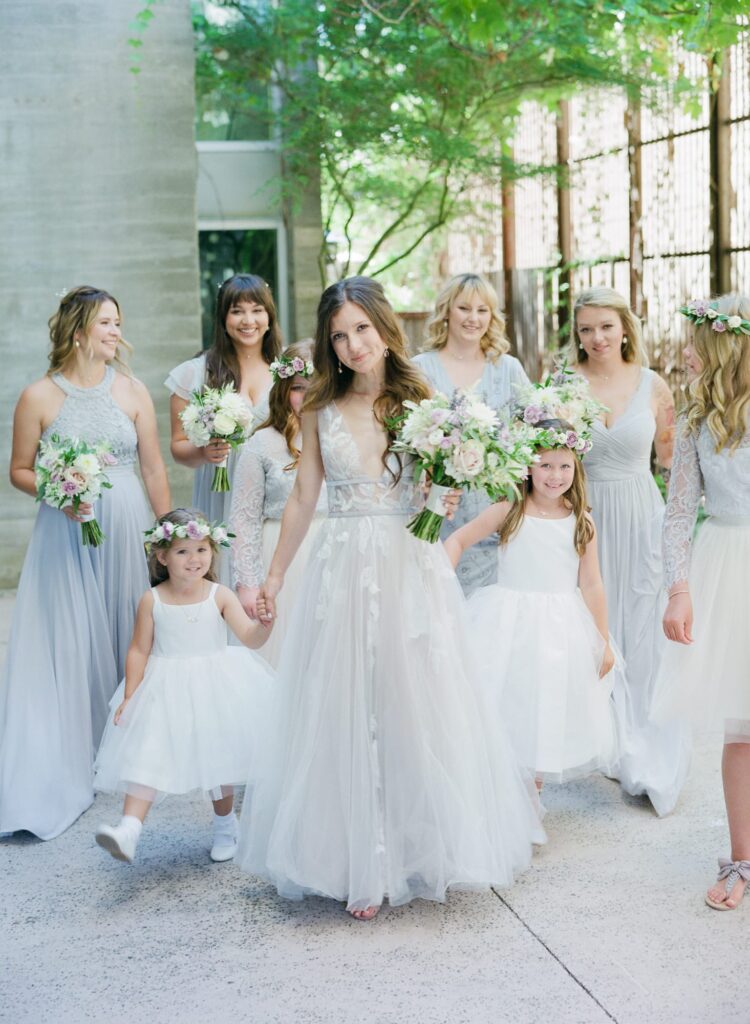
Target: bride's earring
(341, 369)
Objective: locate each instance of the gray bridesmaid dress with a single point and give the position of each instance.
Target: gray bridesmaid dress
(478, 565)
(71, 627)
(628, 511)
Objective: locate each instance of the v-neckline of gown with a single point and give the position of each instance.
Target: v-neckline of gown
(357, 449)
(628, 406)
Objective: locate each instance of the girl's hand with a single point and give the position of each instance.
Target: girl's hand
(84, 509)
(120, 710)
(249, 600)
(267, 598)
(608, 662)
(678, 619)
(216, 451)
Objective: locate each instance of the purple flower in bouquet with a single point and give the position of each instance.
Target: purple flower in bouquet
(532, 414)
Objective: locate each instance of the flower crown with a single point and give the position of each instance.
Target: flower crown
(290, 366)
(700, 310)
(562, 395)
(162, 535)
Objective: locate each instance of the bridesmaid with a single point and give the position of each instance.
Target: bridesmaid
(466, 347)
(264, 477)
(76, 605)
(246, 341)
(608, 350)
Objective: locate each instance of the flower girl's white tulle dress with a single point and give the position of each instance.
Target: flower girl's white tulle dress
(541, 653)
(193, 721)
(386, 774)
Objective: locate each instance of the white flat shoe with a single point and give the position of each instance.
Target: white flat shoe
(118, 841)
(223, 850)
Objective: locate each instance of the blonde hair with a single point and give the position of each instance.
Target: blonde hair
(634, 349)
(76, 313)
(402, 379)
(493, 342)
(720, 394)
(157, 571)
(575, 497)
(281, 416)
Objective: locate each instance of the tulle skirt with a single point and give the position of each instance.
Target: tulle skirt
(708, 682)
(540, 657)
(72, 624)
(629, 513)
(386, 774)
(272, 648)
(191, 725)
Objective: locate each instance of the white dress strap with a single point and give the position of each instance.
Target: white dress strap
(212, 591)
(155, 592)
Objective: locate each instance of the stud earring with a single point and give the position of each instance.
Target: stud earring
(624, 341)
(386, 352)
(341, 369)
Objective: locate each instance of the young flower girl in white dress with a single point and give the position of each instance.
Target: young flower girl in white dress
(547, 614)
(186, 713)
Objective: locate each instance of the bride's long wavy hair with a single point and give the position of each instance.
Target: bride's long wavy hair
(402, 379)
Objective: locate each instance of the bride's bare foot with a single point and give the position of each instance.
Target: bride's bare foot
(727, 893)
(364, 915)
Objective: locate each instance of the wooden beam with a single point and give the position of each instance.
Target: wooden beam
(564, 220)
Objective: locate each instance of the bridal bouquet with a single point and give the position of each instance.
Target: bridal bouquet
(69, 473)
(458, 443)
(216, 413)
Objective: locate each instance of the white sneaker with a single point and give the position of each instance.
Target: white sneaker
(118, 840)
(225, 838)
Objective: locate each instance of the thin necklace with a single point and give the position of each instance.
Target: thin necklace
(193, 616)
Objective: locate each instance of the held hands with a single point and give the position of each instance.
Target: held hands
(678, 618)
(266, 601)
(249, 600)
(608, 662)
(216, 451)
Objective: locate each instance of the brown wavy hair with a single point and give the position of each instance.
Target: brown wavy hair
(77, 312)
(634, 349)
(222, 364)
(575, 497)
(403, 381)
(720, 394)
(281, 416)
(494, 342)
(178, 517)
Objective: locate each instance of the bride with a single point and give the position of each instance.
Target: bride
(384, 776)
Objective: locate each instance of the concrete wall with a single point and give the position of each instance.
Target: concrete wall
(98, 187)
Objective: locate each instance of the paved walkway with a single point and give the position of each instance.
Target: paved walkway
(608, 925)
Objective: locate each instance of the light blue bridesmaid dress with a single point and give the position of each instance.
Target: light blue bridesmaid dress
(628, 511)
(478, 565)
(71, 627)
(182, 381)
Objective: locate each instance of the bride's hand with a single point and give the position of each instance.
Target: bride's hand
(267, 598)
(451, 501)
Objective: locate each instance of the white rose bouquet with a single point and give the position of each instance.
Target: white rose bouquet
(217, 413)
(70, 473)
(458, 443)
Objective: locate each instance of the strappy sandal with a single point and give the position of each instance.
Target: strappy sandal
(732, 871)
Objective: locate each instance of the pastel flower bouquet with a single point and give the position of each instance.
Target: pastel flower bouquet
(69, 473)
(458, 443)
(221, 414)
(562, 395)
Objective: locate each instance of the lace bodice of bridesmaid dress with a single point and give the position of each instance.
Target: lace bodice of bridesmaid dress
(92, 415)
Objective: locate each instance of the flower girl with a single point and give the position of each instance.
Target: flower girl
(548, 613)
(185, 713)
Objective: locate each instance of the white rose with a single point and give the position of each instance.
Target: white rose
(712, 313)
(435, 437)
(88, 464)
(224, 424)
(467, 460)
(734, 322)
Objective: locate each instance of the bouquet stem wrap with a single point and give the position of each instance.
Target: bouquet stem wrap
(427, 524)
(221, 478)
(91, 531)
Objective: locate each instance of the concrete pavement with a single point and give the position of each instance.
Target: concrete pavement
(608, 925)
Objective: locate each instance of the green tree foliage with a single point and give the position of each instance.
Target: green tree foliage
(400, 106)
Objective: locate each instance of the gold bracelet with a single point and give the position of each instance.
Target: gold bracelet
(678, 592)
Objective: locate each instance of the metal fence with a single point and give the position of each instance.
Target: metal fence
(645, 197)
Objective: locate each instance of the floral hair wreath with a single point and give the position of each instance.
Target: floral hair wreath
(700, 310)
(290, 366)
(162, 535)
(562, 395)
